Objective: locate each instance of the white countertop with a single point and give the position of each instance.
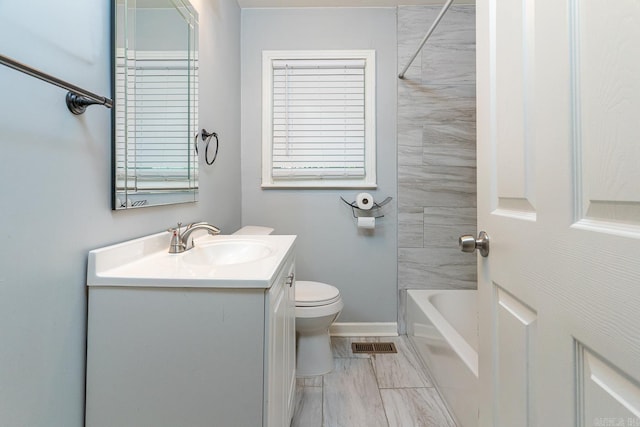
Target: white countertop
(145, 262)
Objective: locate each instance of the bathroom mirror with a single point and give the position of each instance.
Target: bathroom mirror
(155, 93)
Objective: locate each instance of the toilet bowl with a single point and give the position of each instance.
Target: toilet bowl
(318, 305)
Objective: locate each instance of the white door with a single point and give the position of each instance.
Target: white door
(559, 196)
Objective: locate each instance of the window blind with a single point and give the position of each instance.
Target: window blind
(157, 151)
(318, 118)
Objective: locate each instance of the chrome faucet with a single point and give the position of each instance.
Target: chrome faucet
(180, 242)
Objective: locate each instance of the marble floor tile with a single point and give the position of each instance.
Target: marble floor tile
(400, 370)
(416, 407)
(355, 393)
(351, 396)
(308, 409)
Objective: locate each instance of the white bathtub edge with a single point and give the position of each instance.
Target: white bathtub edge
(460, 346)
(444, 350)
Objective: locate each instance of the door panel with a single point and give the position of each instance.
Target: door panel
(559, 195)
(606, 395)
(513, 90)
(606, 94)
(515, 356)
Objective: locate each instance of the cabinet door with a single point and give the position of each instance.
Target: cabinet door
(290, 344)
(280, 363)
(275, 379)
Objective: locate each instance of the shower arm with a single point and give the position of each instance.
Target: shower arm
(426, 37)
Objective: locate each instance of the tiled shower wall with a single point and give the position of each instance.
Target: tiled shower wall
(436, 151)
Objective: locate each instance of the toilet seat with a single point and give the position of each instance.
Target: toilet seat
(314, 294)
(318, 311)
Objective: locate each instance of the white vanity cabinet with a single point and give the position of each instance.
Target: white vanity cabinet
(198, 354)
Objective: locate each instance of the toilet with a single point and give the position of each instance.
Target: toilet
(318, 305)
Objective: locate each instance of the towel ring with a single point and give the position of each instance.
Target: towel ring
(206, 136)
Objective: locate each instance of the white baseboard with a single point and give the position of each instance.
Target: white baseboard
(368, 329)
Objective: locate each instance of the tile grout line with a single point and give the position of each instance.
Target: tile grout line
(375, 375)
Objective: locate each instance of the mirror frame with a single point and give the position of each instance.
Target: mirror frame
(157, 196)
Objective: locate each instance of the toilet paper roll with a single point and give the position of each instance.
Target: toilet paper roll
(364, 201)
(367, 222)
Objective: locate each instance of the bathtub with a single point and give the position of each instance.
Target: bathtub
(442, 325)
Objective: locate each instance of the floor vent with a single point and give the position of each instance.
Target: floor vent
(373, 347)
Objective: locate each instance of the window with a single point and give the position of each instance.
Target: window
(319, 119)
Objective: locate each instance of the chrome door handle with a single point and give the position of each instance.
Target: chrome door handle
(469, 243)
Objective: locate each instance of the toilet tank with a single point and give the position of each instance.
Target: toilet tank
(253, 230)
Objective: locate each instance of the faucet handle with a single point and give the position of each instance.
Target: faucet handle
(176, 245)
(176, 229)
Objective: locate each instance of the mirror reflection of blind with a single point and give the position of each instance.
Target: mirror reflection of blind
(318, 118)
(158, 151)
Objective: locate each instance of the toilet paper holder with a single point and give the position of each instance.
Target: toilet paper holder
(357, 212)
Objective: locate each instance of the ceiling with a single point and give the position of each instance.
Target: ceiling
(342, 3)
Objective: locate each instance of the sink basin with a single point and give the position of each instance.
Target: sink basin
(227, 253)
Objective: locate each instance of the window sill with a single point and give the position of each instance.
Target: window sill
(318, 185)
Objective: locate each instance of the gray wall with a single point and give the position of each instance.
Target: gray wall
(436, 150)
(160, 29)
(330, 247)
(55, 187)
